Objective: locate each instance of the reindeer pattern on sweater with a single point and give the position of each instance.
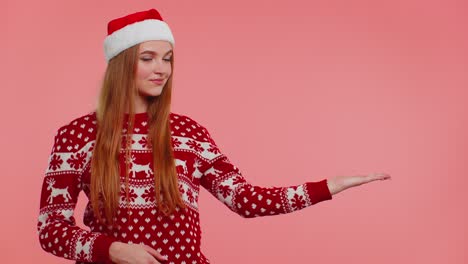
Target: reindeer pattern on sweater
(199, 162)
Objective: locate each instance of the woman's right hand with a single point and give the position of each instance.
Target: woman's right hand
(123, 253)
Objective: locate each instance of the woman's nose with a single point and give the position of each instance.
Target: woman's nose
(158, 67)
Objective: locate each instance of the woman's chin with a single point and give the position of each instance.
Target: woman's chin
(153, 92)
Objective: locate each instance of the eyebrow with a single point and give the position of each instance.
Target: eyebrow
(153, 52)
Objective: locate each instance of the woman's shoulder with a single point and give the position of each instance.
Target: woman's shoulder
(188, 126)
(82, 121)
(77, 132)
(184, 119)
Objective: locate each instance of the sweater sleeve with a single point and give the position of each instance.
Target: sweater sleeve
(56, 226)
(226, 182)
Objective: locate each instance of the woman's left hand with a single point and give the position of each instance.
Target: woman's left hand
(341, 183)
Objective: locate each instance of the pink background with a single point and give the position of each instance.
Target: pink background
(292, 91)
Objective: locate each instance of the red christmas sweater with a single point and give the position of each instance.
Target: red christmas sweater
(199, 163)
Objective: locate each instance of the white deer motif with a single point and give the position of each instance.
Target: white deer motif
(138, 167)
(213, 171)
(196, 174)
(80, 246)
(56, 191)
(182, 163)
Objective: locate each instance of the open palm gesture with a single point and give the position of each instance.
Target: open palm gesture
(340, 183)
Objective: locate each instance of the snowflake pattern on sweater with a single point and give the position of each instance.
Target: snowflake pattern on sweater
(199, 162)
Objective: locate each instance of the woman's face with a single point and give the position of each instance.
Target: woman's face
(153, 63)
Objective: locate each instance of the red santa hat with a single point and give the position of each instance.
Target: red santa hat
(127, 31)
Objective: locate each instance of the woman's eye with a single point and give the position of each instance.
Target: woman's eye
(148, 59)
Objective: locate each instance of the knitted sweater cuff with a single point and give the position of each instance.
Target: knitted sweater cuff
(318, 191)
(101, 247)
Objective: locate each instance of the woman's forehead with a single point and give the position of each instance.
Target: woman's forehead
(156, 46)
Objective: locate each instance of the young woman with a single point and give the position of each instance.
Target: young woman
(141, 165)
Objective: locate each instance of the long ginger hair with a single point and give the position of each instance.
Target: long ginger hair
(117, 95)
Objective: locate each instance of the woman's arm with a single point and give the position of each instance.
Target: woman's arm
(56, 227)
(225, 182)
